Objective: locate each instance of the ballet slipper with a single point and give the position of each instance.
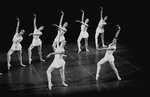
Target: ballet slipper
(23, 65)
(8, 66)
(30, 61)
(97, 77)
(119, 78)
(97, 48)
(87, 50)
(42, 60)
(65, 84)
(50, 86)
(79, 51)
(104, 46)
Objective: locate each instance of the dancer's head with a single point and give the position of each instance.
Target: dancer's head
(21, 32)
(105, 18)
(114, 41)
(63, 43)
(41, 28)
(65, 24)
(86, 21)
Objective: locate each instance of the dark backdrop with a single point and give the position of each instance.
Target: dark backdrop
(132, 17)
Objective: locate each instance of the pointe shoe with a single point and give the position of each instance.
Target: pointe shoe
(8, 65)
(42, 60)
(65, 84)
(119, 78)
(1, 73)
(97, 77)
(79, 51)
(87, 50)
(50, 86)
(23, 65)
(97, 48)
(30, 61)
(104, 46)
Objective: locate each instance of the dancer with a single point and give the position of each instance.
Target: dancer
(36, 41)
(109, 56)
(58, 62)
(83, 34)
(16, 46)
(61, 31)
(100, 30)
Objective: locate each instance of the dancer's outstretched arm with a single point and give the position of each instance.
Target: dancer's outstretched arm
(116, 35)
(101, 14)
(34, 22)
(61, 19)
(18, 23)
(82, 20)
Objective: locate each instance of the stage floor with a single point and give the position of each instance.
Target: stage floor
(80, 74)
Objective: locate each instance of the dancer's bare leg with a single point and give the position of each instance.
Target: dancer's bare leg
(9, 58)
(40, 52)
(79, 44)
(20, 57)
(102, 39)
(96, 40)
(62, 70)
(86, 44)
(49, 76)
(115, 69)
(30, 53)
(102, 61)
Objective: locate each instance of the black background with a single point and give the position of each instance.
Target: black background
(131, 16)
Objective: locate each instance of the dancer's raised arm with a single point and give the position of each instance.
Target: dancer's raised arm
(82, 20)
(62, 16)
(34, 22)
(18, 23)
(116, 35)
(101, 14)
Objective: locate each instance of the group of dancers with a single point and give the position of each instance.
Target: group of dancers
(59, 44)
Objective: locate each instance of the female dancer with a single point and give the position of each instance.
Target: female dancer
(83, 34)
(36, 41)
(61, 31)
(16, 46)
(58, 62)
(100, 29)
(109, 56)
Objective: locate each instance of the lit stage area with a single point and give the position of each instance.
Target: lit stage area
(80, 72)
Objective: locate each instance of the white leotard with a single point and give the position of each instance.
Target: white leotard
(36, 40)
(16, 42)
(58, 60)
(84, 33)
(109, 53)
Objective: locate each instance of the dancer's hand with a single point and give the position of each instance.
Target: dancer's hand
(118, 27)
(17, 18)
(34, 14)
(48, 55)
(62, 12)
(101, 8)
(82, 11)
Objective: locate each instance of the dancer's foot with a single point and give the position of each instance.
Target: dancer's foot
(79, 51)
(97, 48)
(97, 77)
(104, 46)
(30, 61)
(42, 60)
(87, 50)
(1, 73)
(8, 65)
(65, 84)
(119, 78)
(50, 86)
(22, 65)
